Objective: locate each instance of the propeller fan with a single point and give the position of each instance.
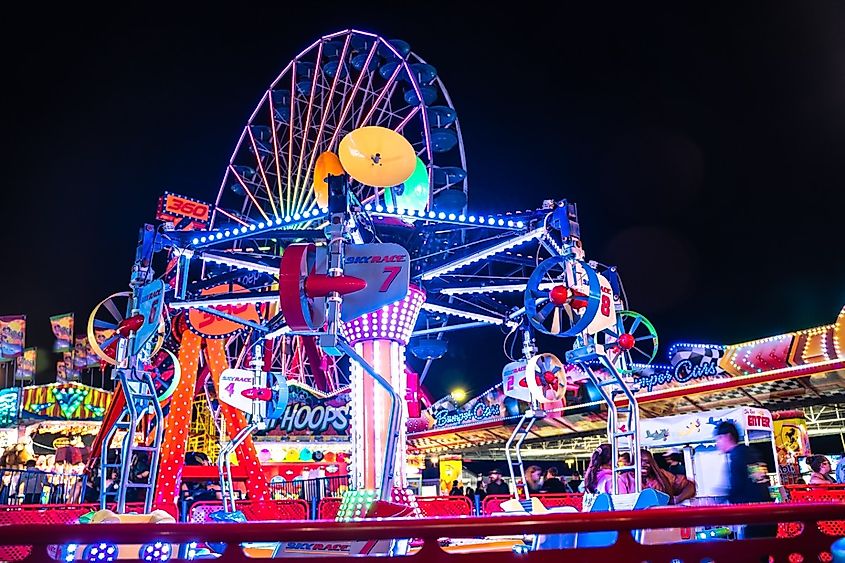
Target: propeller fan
(546, 378)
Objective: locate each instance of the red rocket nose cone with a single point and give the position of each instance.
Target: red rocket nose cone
(320, 285)
(131, 324)
(259, 393)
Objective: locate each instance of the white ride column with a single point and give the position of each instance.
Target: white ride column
(379, 338)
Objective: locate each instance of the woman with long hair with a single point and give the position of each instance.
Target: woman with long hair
(678, 487)
(599, 475)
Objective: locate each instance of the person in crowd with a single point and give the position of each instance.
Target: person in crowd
(675, 461)
(457, 490)
(139, 472)
(678, 487)
(552, 483)
(575, 483)
(747, 476)
(32, 483)
(199, 490)
(625, 461)
(112, 485)
(469, 492)
(480, 489)
(821, 467)
(497, 485)
(598, 478)
(534, 479)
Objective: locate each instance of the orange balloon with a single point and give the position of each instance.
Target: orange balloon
(327, 163)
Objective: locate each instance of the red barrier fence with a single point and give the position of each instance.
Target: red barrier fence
(813, 494)
(810, 545)
(493, 503)
(44, 515)
(328, 507)
(445, 506)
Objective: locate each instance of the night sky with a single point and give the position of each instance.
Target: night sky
(704, 146)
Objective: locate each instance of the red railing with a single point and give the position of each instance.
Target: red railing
(810, 545)
(283, 509)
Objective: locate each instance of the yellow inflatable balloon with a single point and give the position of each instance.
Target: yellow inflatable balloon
(327, 163)
(377, 156)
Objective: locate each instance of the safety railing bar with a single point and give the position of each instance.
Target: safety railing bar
(431, 528)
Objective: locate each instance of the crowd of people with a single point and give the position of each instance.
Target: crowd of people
(746, 474)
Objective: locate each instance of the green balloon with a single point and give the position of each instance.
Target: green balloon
(412, 194)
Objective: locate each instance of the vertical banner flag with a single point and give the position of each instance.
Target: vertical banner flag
(61, 372)
(83, 355)
(26, 365)
(71, 370)
(12, 336)
(63, 329)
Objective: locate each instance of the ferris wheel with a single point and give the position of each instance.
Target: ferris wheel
(343, 82)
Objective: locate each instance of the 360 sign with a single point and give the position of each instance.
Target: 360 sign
(172, 207)
(185, 208)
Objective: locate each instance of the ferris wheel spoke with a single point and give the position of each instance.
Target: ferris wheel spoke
(309, 110)
(230, 216)
(387, 92)
(276, 153)
(378, 99)
(263, 173)
(292, 118)
(248, 192)
(355, 89)
(323, 121)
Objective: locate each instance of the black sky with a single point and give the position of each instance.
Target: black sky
(704, 145)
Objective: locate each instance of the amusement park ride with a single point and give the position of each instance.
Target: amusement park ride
(341, 219)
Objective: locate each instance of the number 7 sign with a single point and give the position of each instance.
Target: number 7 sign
(385, 267)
